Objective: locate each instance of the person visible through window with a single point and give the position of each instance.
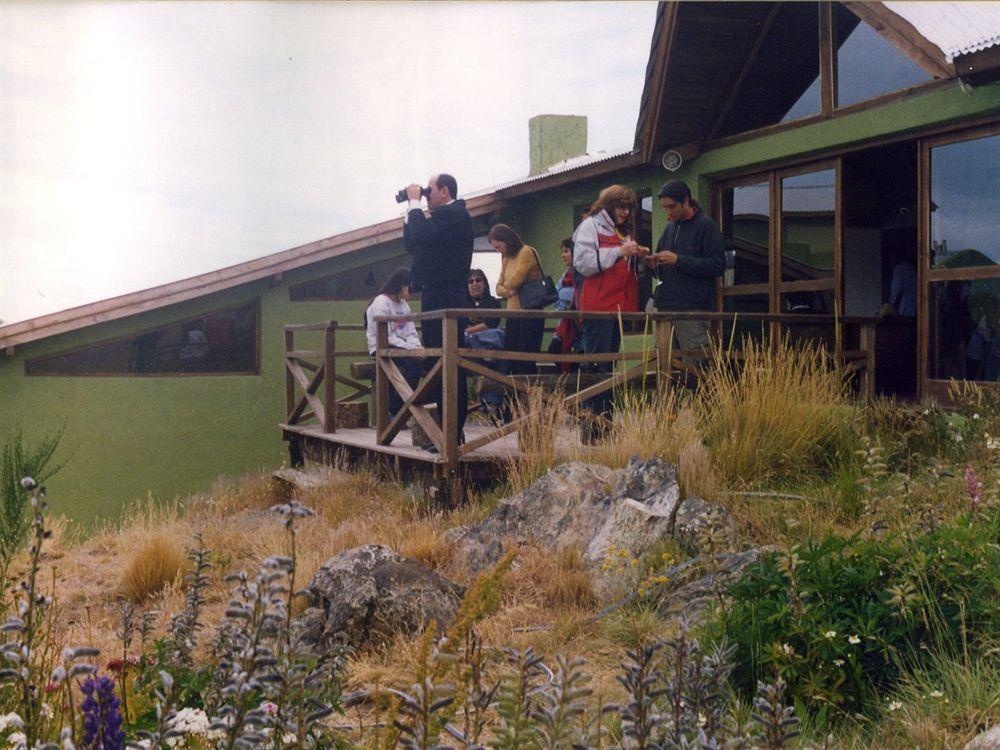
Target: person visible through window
(392, 300)
(519, 264)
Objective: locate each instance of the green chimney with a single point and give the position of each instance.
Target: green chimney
(553, 138)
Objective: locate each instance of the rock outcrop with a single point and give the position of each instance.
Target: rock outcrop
(988, 740)
(367, 594)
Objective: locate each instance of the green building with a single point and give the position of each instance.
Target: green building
(849, 151)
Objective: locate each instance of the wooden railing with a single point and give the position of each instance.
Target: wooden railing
(306, 370)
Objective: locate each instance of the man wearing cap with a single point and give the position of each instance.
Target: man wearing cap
(690, 255)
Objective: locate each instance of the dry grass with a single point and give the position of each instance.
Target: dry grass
(655, 426)
(781, 412)
(538, 437)
(557, 579)
(158, 563)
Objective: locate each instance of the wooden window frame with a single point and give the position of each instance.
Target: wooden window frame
(926, 276)
(775, 287)
(255, 303)
(327, 298)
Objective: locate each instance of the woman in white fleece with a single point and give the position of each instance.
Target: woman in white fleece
(391, 300)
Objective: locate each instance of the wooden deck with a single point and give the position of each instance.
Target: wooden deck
(313, 404)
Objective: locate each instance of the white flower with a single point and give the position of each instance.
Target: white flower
(830, 634)
(190, 721)
(936, 694)
(787, 648)
(976, 415)
(895, 706)
(269, 707)
(853, 639)
(10, 720)
(838, 662)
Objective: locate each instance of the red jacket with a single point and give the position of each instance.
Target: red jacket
(611, 289)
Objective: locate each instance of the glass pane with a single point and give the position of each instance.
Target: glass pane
(857, 77)
(963, 329)
(224, 341)
(754, 329)
(747, 222)
(782, 83)
(808, 221)
(965, 204)
(808, 303)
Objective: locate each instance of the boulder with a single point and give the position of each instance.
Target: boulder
(365, 595)
(290, 482)
(474, 550)
(988, 740)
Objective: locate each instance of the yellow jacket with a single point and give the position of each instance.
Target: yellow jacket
(514, 272)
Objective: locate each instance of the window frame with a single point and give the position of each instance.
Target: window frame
(926, 276)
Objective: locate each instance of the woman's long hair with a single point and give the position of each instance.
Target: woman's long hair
(395, 283)
(510, 238)
(611, 196)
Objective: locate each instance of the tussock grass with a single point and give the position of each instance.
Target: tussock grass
(537, 438)
(657, 425)
(158, 563)
(782, 411)
(557, 579)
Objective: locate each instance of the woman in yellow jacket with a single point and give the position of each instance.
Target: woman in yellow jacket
(519, 264)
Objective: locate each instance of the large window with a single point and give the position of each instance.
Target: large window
(217, 343)
(361, 283)
(792, 265)
(825, 57)
(963, 289)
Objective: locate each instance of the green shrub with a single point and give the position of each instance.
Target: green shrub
(16, 462)
(842, 619)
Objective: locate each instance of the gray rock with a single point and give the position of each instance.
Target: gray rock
(700, 527)
(474, 550)
(693, 598)
(988, 740)
(367, 594)
(290, 482)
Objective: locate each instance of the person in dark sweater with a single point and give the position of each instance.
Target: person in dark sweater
(689, 257)
(441, 246)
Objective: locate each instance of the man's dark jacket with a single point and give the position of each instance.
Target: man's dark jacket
(441, 245)
(701, 257)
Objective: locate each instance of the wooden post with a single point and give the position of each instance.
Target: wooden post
(867, 342)
(381, 396)
(449, 393)
(289, 378)
(664, 348)
(330, 378)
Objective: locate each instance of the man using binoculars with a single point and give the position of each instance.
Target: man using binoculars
(441, 246)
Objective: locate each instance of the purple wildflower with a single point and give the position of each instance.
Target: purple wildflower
(974, 488)
(102, 719)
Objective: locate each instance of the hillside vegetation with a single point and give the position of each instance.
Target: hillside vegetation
(869, 622)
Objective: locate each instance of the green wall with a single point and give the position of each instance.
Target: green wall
(170, 436)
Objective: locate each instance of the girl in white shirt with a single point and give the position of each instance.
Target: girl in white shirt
(391, 300)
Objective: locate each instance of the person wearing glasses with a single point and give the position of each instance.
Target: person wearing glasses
(481, 297)
(608, 258)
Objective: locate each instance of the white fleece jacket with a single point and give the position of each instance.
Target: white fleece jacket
(589, 258)
(402, 333)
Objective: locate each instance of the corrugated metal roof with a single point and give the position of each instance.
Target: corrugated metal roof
(567, 165)
(957, 28)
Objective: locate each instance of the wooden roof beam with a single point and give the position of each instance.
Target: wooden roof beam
(658, 79)
(903, 35)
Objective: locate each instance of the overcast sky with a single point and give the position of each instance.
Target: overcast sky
(146, 142)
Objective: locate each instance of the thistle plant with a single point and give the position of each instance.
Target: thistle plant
(184, 626)
(642, 722)
(561, 705)
(515, 704)
(305, 691)
(420, 712)
(776, 723)
(26, 630)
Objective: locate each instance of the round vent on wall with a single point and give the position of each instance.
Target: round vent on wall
(671, 161)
